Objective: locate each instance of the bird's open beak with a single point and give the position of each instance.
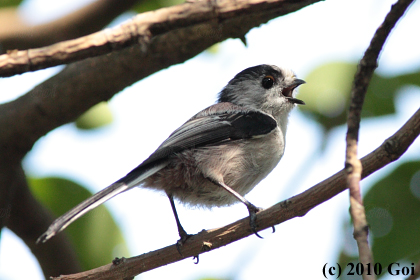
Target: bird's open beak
(287, 92)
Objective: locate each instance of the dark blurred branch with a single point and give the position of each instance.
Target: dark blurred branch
(353, 165)
(142, 28)
(27, 218)
(15, 33)
(296, 206)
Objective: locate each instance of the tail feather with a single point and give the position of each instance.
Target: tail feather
(97, 199)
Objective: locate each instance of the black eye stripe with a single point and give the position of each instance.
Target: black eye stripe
(267, 82)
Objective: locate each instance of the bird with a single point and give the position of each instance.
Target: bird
(217, 156)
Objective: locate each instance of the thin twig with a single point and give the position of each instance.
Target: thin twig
(297, 206)
(353, 165)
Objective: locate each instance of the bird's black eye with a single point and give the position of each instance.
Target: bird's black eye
(267, 82)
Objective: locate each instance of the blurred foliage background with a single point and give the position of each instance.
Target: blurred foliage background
(392, 203)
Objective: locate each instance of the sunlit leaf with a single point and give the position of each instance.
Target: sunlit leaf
(326, 93)
(393, 212)
(98, 116)
(213, 49)
(328, 89)
(96, 236)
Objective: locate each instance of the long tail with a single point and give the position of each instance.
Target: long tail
(131, 180)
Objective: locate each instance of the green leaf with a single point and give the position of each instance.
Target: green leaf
(328, 89)
(409, 79)
(213, 49)
(10, 3)
(151, 5)
(393, 212)
(98, 116)
(96, 236)
(392, 208)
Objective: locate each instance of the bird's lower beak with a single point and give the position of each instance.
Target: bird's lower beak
(295, 101)
(289, 90)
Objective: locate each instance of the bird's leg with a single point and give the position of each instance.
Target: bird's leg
(252, 209)
(182, 233)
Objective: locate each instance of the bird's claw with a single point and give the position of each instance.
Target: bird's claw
(253, 210)
(181, 242)
(253, 221)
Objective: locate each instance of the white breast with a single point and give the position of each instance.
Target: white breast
(240, 164)
(261, 155)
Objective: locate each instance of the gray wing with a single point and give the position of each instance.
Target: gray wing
(217, 123)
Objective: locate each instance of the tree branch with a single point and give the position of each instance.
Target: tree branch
(296, 206)
(17, 34)
(142, 28)
(353, 165)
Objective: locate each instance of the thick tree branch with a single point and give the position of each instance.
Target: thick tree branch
(296, 206)
(17, 34)
(353, 165)
(142, 28)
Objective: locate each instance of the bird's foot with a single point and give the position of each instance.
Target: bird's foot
(184, 236)
(253, 210)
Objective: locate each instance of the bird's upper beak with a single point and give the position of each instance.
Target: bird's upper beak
(287, 92)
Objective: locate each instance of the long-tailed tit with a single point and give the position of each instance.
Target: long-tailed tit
(218, 155)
